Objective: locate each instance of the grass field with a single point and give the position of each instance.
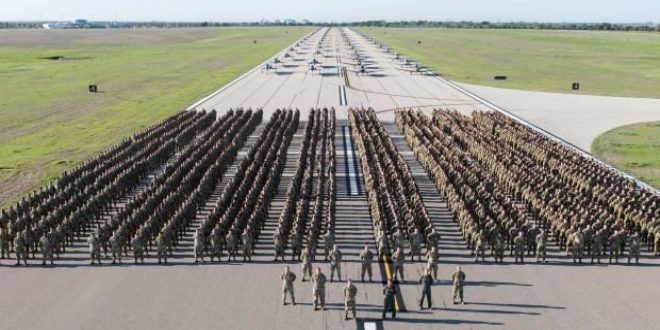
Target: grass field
(49, 120)
(634, 149)
(605, 63)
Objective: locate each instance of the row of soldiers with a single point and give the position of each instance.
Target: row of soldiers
(447, 150)
(350, 291)
(397, 211)
(317, 155)
(241, 211)
(582, 203)
(62, 211)
(170, 204)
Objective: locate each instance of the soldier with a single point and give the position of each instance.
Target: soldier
(4, 241)
(398, 259)
(161, 247)
(541, 241)
(217, 242)
(615, 246)
(426, 281)
(350, 291)
(115, 247)
(94, 248)
(479, 248)
(306, 264)
(457, 279)
(138, 249)
(46, 248)
(382, 245)
(416, 245)
(635, 245)
(279, 245)
(335, 263)
(328, 244)
(399, 238)
(198, 246)
(519, 246)
(389, 291)
(296, 245)
(367, 257)
(288, 278)
(500, 246)
(246, 238)
(578, 246)
(432, 239)
(318, 290)
(20, 249)
(432, 262)
(597, 245)
(232, 246)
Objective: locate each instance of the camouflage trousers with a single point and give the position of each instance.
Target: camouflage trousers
(319, 297)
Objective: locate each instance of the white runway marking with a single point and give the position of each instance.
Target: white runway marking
(350, 162)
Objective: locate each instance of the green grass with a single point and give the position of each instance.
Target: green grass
(605, 63)
(634, 149)
(49, 120)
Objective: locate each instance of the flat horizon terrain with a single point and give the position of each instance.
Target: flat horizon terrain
(604, 62)
(49, 120)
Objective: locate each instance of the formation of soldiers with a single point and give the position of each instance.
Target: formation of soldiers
(397, 211)
(238, 217)
(350, 291)
(49, 220)
(313, 182)
(499, 175)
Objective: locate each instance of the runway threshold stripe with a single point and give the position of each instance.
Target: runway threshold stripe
(350, 162)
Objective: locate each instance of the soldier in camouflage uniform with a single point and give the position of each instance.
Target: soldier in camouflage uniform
(458, 279)
(541, 242)
(116, 247)
(328, 244)
(366, 258)
(4, 242)
(399, 239)
(519, 247)
(94, 248)
(432, 262)
(138, 249)
(432, 239)
(46, 249)
(389, 291)
(635, 247)
(427, 282)
(500, 246)
(318, 290)
(577, 246)
(20, 249)
(161, 247)
(479, 248)
(597, 245)
(335, 257)
(398, 259)
(198, 246)
(246, 238)
(306, 264)
(288, 278)
(279, 245)
(232, 245)
(350, 292)
(416, 245)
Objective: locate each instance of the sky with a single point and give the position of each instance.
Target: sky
(614, 11)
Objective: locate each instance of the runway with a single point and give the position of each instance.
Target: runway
(238, 295)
